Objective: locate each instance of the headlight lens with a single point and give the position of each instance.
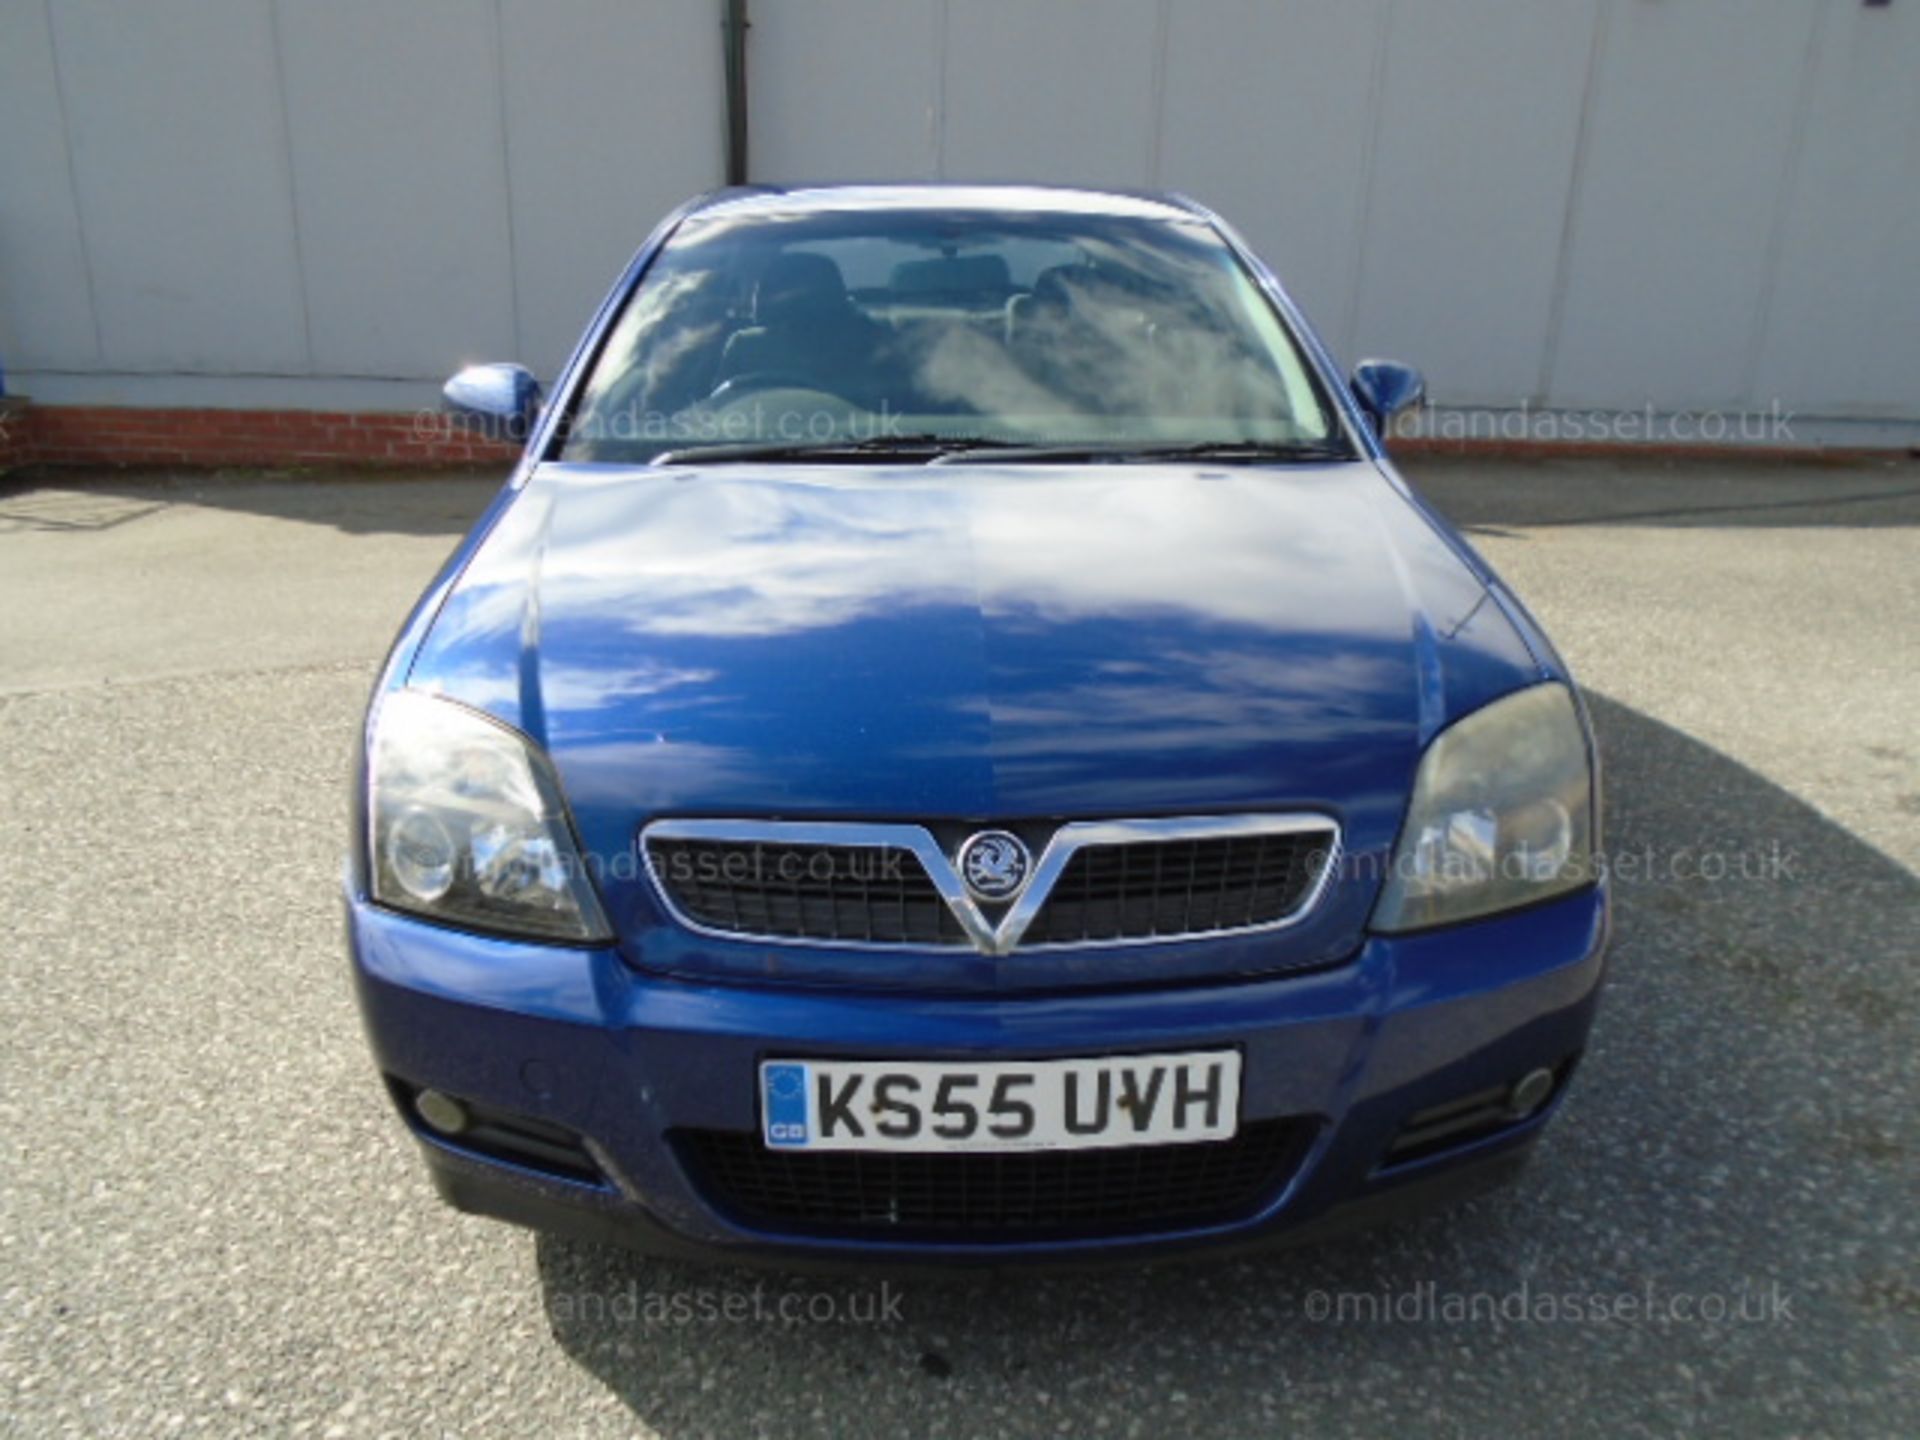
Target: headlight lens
(1502, 815)
(467, 825)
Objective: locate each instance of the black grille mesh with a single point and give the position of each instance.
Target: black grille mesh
(1180, 887)
(879, 894)
(995, 1197)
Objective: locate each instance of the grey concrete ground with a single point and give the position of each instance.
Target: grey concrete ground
(209, 1224)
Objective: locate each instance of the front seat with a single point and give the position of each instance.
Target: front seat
(1050, 338)
(805, 325)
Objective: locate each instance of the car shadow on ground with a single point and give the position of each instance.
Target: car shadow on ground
(1505, 497)
(356, 502)
(1731, 1180)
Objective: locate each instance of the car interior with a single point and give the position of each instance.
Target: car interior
(920, 340)
(806, 330)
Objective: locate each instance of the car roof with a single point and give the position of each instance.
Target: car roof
(949, 195)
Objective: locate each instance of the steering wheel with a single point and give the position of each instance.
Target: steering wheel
(752, 382)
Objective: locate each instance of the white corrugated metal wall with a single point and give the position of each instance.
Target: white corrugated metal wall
(1592, 203)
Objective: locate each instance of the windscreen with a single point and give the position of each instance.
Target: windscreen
(997, 328)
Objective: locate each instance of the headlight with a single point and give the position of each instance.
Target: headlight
(1502, 815)
(466, 825)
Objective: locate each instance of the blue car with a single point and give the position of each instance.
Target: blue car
(956, 745)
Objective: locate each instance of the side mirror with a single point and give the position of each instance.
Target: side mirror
(500, 401)
(1385, 387)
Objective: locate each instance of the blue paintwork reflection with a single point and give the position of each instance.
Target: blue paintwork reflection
(977, 644)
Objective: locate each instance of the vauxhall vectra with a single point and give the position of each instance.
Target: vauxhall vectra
(956, 744)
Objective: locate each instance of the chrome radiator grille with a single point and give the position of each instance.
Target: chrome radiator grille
(876, 894)
(1156, 889)
(1101, 882)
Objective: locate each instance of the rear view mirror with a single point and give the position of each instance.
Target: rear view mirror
(1386, 387)
(500, 401)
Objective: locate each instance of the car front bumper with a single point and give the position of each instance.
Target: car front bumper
(589, 1049)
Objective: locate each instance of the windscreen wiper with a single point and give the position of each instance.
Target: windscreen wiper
(1252, 452)
(925, 447)
(943, 449)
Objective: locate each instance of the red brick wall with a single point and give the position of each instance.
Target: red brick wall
(113, 435)
(13, 428)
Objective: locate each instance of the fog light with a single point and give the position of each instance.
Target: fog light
(1529, 1093)
(442, 1112)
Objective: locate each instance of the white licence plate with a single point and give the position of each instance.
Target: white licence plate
(1105, 1102)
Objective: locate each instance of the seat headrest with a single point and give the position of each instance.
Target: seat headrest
(1055, 288)
(797, 285)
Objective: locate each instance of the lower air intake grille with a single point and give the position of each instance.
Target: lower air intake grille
(1467, 1120)
(987, 1198)
(1152, 888)
(874, 894)
(502, 1135)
